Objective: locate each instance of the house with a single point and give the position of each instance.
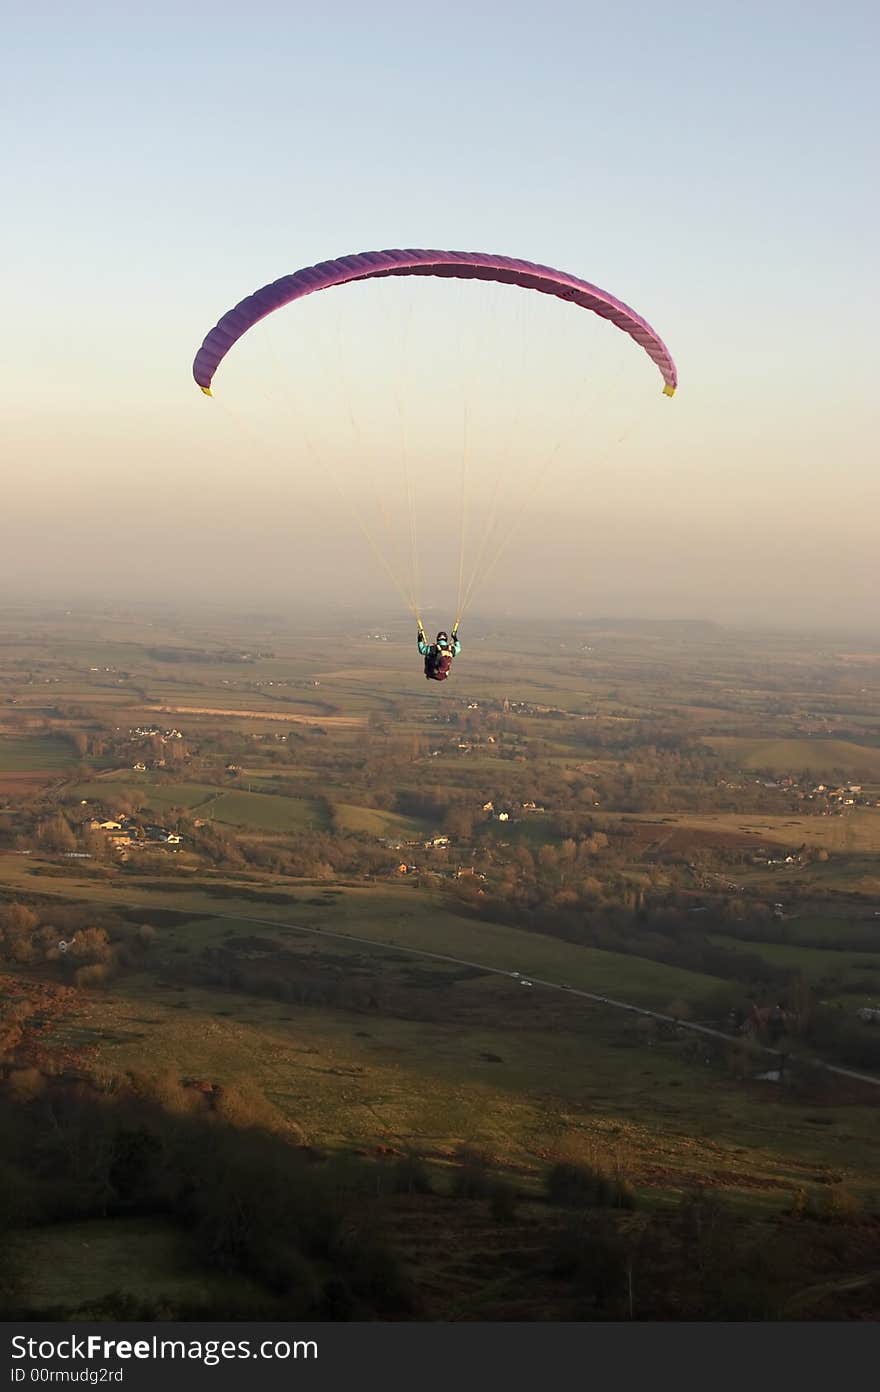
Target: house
(502, 816)
(436, 841)
(766, 1021)
(156, 833)
(139, 767)
(488, 807)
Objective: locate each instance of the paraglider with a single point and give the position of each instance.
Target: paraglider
(458, 265)
(439, 654)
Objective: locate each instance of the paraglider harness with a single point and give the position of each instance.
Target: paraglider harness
(438, 660)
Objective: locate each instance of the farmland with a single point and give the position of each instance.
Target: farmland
(33, 755)
(824, 755)
(337, 898)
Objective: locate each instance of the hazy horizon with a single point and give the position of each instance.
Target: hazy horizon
(164, 166)
(214, 624)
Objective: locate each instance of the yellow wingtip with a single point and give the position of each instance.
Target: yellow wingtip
(207, 391)
(668, 390)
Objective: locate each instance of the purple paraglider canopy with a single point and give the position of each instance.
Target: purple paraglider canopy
(462, 265)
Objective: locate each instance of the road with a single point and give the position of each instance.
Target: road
(613, 1004)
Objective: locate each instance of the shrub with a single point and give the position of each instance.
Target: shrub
(833, 1203)
(471, 1179)
(410, 1176)
(502, 1202)
(578, 1186)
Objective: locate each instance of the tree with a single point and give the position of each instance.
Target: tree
(17, 920)
(502, 1201)
(459, 822)
(92, 945)
(56, 835)
(471, 1179)
(548, 859)
(803, 1004)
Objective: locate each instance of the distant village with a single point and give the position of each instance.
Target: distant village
(125, 833)
(835, 796)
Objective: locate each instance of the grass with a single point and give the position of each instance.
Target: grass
(532, 831)
(575, 1081)
(857, 831)
(68, 1265)
(373, 822)
(846, 968)
(253, 811)
(140, 785)
(402, 920)
(20, 754)
(855, 761)
(265, 812)
(811, 929)
(398, 916)
(346, 1079)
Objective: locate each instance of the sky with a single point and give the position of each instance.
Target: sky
(712, 165)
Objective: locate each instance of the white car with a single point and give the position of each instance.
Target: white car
(523, 982)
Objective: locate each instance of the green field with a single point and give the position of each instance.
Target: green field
(359, 1008)
(265, 812)
(399, 916)
(68, 1265)
(856, 974)
(401, 919)
(856, 831)
(253, 811)
(791, 756)
(827, 931)
(525, 1087)
(373, 822)
(144, 789)
(23, 753)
